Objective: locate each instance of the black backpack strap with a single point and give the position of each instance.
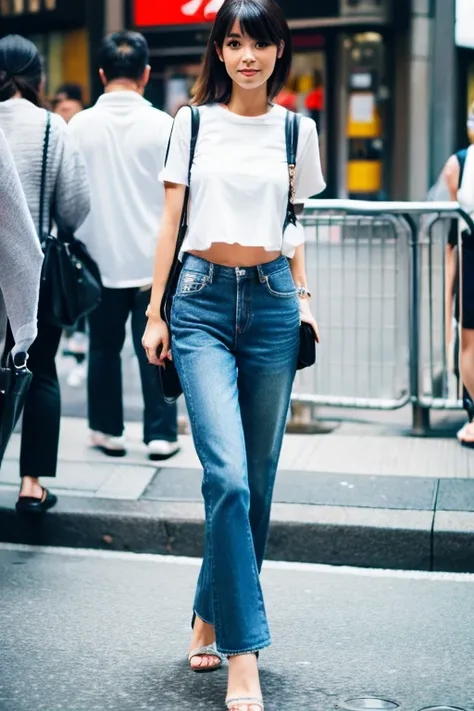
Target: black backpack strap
(44, 166)
(292, 132)
(195, 124)
(461, 156)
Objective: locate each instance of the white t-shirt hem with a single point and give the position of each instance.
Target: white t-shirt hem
(239, 177)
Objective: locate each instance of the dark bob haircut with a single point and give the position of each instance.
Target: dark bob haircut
(263, 20)
(21, 69)
(124, 55)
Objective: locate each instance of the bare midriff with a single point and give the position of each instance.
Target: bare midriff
(235, 255)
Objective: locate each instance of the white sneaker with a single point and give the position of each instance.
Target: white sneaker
(77, 376)
(160, 449)
(112, 446)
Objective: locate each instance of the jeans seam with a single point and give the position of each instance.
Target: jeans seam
(279, 294)
(192, 413)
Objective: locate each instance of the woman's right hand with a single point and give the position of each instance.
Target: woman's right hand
(156, 342)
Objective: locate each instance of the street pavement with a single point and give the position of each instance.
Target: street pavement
(361, 495)
(89, 631)
(358, 492)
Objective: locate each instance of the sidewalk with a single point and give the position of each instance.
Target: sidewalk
(352, 497)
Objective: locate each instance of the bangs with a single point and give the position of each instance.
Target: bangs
(255, 21)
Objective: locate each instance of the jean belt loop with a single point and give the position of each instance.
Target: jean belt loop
(210, 275)
(261, 275)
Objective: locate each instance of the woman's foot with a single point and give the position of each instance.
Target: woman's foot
(243, 688)
(33, 498)
(466, 435)
(203, 637)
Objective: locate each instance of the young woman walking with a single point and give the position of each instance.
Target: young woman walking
(236, 316)
(66, 200)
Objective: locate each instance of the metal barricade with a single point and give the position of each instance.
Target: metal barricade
(377, 274)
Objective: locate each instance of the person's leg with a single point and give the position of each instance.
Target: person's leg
(107, 336)
(266, 359)
(160, 418)
(466, 290)
(41, 414)
(265, 395)
(267, 352)
(229, 594)
(466, 434)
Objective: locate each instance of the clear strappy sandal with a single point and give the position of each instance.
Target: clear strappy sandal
(209, 651)
(244, 703)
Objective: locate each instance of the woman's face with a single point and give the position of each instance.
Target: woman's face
(249, 63)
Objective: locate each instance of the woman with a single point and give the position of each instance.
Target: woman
(20, 258)
(67, 202)
(236, 317)
(458, 291)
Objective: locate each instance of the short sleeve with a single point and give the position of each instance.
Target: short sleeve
(309, 177)
(176, 168)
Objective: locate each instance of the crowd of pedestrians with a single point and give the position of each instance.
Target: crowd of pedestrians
(100, 183)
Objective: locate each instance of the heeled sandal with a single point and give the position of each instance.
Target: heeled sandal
(243, 703)
(209, 651)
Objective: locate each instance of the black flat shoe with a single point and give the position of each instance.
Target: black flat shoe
(33, 505)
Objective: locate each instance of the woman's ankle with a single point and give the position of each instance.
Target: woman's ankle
(203, 633)
(30, 486)
(243, 676)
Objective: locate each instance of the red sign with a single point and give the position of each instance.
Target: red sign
(151, 13)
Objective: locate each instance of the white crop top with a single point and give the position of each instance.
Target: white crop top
(239, 179)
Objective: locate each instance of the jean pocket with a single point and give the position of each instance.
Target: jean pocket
(281, 283)
(191, 283)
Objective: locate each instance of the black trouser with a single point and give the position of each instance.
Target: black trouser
(107, 336)
(42, 413)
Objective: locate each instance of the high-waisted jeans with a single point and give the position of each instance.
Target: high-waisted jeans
(235, 335)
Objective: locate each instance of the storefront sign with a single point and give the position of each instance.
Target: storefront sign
(156, 13)
(175, 12)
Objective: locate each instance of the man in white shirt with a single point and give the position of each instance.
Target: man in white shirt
(124, 140)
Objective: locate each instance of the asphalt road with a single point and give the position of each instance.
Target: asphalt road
(108, 632)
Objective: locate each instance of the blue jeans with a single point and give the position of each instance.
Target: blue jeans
(235, 335)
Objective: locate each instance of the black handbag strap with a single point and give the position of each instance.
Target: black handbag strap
(292, 132)
(44, 166)
(195, 123)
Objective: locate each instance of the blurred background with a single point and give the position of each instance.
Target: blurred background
(389, 82)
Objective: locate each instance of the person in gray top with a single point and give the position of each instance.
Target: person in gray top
(67, 202)
(20, 258)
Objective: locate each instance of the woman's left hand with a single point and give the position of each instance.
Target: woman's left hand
(307, 317)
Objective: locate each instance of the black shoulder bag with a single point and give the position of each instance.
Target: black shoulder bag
(71, 285)
(15, 379)
(168, 374)
(307, 348)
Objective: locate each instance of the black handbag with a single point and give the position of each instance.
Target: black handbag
(15, 379)
(307, 347)
(71, 285)
(169, 378)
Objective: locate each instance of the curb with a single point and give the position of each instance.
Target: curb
(331, 535)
